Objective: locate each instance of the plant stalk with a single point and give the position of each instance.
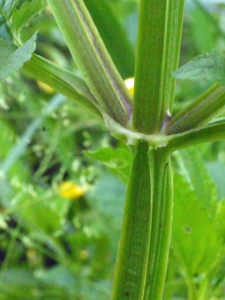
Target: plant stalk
(132, 260)
(92, 58)
(150, 61)
(209, 105)
(141, 268)
(161, 226)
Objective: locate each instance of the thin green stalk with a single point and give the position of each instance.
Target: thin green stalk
(92, 58)
(132, 260)
(199, 112)
(113, 35)
(209, 133)
(172, 53)
(62, 81)
(161, 228)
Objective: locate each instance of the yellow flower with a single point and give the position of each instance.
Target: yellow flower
(44, 87)
(130, 84)
(70, 190)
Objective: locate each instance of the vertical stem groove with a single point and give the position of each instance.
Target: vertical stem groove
(130, 275)
(150, 65)
(161, 228)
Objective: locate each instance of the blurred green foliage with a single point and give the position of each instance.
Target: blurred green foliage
(55, 248)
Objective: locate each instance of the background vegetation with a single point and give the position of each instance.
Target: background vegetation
(63, 245)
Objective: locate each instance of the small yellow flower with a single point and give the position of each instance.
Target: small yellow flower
(44, 87)
(70, 190)
(130, 84)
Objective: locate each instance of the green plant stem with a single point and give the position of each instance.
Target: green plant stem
(162, 211)
(199, 112)
(92, 58)
(172, 51)
(113, 35)
(150, 63)
(147, 225)
(141, 268)
(132, 260)
(209, 133)
(62, 81)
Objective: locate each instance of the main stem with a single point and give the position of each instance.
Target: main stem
(145, 239)
(132, 261)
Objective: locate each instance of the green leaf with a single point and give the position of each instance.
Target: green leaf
(12, 58)
(28, 10)
(20, 283)
(118, 160)
(192, 167)
(208, 66)
(7, 7)
(200, 19)
(195, 239)
(110, 193)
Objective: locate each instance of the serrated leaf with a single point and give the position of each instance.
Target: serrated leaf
(27, 11)
(12, 58)
(210, 67)
(118, 160)
(195, 239)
